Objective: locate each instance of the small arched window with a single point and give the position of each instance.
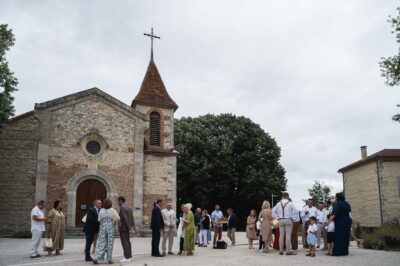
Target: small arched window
(155, 129)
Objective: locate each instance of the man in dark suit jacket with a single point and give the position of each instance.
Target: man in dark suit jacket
(232, 225)
(156, 225)
(91, 227)
(126, 228)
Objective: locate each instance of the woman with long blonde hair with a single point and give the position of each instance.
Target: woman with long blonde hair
(266, 217)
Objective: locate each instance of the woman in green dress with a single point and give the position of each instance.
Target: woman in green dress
(190, 232)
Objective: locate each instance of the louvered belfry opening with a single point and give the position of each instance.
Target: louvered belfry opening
(155, 129)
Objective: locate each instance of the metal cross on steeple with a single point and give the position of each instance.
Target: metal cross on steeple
(152, 36)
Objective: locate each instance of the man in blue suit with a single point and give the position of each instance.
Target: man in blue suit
(156, 225)
(91, 227)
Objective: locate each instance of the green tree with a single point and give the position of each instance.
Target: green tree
(320, 191)
(228, 160)
(390, 66)
(8, 83)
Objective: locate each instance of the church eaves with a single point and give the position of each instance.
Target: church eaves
(153, 92)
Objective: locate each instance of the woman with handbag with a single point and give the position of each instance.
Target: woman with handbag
(108, 216)
(55, 229)
(251, 228)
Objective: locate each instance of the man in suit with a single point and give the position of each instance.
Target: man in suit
(156, 226)
(232, 225)
(126, 228)
(91, 227)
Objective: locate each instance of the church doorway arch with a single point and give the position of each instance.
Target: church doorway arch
(73, 206)
(87, 191)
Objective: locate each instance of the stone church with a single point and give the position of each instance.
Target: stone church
(85, 146)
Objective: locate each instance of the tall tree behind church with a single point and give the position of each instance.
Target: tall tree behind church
(228, 160)
(8, 83)
(390, 66)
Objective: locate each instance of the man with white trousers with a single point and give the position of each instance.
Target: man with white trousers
(37, 228)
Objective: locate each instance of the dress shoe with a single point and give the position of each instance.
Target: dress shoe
(159, 255)
(88, 259)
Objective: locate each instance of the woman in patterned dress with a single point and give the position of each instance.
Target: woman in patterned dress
(56, 226)
(108, 216)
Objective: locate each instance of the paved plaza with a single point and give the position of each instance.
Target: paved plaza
(16, 252)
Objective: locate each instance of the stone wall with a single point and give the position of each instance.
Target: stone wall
(361, 189)
(70, 127)
(18, 154)
(158, 182)
(390, 194)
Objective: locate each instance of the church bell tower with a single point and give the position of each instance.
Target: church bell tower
(159, 156)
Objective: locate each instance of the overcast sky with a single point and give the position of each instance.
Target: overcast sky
(306, 71)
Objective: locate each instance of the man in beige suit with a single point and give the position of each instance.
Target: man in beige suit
(169, 218)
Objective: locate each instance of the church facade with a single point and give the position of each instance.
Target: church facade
(85, 146)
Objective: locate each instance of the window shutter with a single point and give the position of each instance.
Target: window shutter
(155, 129)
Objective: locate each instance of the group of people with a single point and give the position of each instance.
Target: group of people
(192, 228)
(100, 222)
(321, 221)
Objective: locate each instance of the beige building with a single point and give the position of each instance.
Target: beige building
(372, 187)
(85, 146)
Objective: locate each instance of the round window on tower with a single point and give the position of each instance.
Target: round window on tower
(93, 147)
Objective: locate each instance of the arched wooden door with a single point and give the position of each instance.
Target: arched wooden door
(87, 192)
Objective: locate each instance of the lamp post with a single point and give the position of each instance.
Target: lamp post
(272, 199)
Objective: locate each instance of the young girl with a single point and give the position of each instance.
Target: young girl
(312, 236)
(258, 232)
(251, 228)
(205, 226)
(331, 236)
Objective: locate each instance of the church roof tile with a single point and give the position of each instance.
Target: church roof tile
(152, 91)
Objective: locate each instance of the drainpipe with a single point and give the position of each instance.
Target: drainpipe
(343, 183)
(379, 190)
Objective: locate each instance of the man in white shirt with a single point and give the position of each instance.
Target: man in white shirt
(216, 217)
(169, 218)
(284, 212)
(308, 211)
(37, 227)
(320, 223)
(296, 224)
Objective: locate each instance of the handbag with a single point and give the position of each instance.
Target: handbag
(48, 243)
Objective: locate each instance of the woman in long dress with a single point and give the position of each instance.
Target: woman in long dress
(56, 227)
(341, 216)
(190, 232)
(251, 233)
(108, 216)
(265, 217)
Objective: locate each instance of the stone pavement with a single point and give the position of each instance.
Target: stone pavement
(16, 252)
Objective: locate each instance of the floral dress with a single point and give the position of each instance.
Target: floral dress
(105, 239)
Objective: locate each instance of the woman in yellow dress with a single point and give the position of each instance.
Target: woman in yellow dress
(56, 227)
